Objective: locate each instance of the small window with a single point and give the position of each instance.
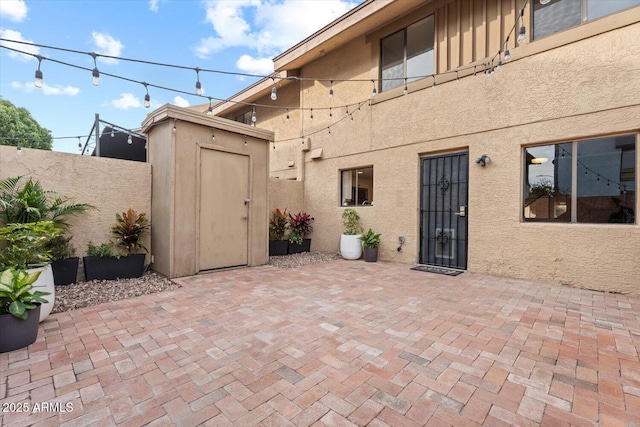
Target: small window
(596, 178)
(356, 187)
(244, 118)
(559, 15)
(407, 54)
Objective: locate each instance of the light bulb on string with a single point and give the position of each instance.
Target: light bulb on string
(129, 140)
(147, 98)
(79, 144)
(434, 81)
(329, 130)
(311, 117)
(253, 115)
(522, 33)
(95, 73)
(406, 89)
(198, 84)
(474, 71)
(330, 113)
(174, 129)
(19, 149)
(507, 55)
(213, 134)
(287, 114)
(331, 90)
(374, 91)
(245, 140)
(274, 95)
(112, 133)
(210, 109)
(457, 76)
(38, 82)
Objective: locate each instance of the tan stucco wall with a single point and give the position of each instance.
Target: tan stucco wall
(174, 156)
(580, 90)
(111, 185)
(286, 194)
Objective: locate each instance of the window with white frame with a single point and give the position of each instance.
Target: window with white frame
(558, 15)
(588, 181)
(407, 54)
(356, 187)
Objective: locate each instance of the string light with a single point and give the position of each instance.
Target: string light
(198, 84)
(38, 81)
(434, 81)
(274, 95)
(374, 92)
(79, 144)
(507, 53)
(95, 73)
(457, 77)
(331, 90)
(129, 140)
(213, 134)
(311, 117)
(147, 98)
(112, 133)
(245, 140)
(174, 129)
(522, 33)
(287, 114)
(253, 115)
(330, 113)
(210, 109)
(19, 149)
(406, 89)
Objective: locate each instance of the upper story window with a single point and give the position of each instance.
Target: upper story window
(244, 118)
(558, 15)
(407, 54)
(590, 181)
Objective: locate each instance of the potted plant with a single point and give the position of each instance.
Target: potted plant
(370, 243)
(26, 248)
(29, 203)
(19, 309)
(64, 260)
(350, 246)
(277, 228)
(299, 228)
(104, 263)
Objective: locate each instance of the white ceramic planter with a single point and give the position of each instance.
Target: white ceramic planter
(350, 246)
(45, 283)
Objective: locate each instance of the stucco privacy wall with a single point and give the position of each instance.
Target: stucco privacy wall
(581, 90)
(111, 185)
(174, 156)
(286, 194)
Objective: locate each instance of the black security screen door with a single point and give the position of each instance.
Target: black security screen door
(443, 210)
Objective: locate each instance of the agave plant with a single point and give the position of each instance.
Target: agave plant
(32, 203)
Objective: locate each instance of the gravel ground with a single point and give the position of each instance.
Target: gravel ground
(85, 294)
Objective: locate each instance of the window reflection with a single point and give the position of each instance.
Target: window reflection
(356, 187)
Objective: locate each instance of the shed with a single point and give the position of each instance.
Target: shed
(208, 192)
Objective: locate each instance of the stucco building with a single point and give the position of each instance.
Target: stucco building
(410, 110)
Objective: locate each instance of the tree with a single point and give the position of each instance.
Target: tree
(17, 127)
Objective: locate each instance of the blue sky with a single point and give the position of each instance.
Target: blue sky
(236, 36)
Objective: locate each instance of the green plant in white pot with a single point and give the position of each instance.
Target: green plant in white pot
(350, 246)
(26, 248)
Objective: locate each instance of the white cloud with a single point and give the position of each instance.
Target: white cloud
(253, 65)
(181, 102)
(277, 24)
(28, 87)
(153, 4)
(126, 101)
(15, 35)
(105, 44)
(14, 10)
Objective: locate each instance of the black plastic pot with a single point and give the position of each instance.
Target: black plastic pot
(17, 333)
(294, 248)
(65, 271)
(278, 247)
(126, 267)
(370, 254)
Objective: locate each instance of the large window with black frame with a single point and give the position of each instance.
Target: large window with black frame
(587, 181)
(356, 186)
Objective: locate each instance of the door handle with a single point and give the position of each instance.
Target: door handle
(463, 211)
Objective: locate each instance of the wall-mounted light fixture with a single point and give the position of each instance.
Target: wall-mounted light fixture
(483, 160)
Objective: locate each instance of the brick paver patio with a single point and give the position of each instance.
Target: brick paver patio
(337, 344)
